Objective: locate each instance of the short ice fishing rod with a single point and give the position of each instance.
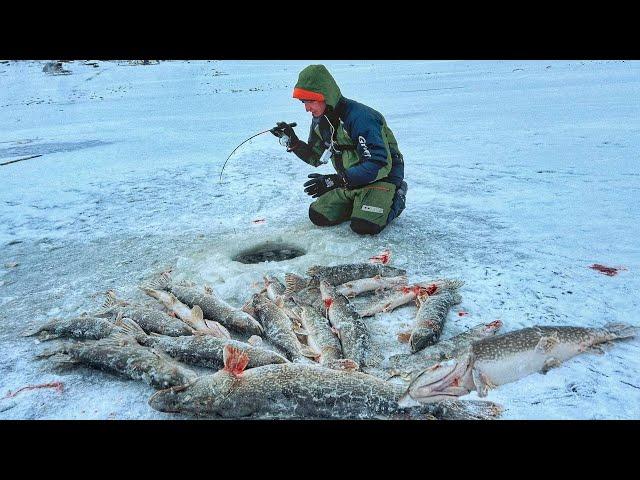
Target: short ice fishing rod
(272, 130)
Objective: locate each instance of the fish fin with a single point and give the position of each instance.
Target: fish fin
(621, 330)
(336, 331)
(161, 282)
(118, 339)
(110, 299)
(63, 360)
(208, 290)
(293, 284)
(549, 364)
(481, 382)
(219, 330)
(403, 337)
(344, 364)
(197, 313)
(235, 361)
(248, 307)
(279, 302)
(254, 340)
(546, 344)
(597, 349)
(309, 352)
(59, 348)
(132, 328)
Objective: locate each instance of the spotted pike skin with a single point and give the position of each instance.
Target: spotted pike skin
(340, 274)
(352, 331)
(404, 296)
(430, 319)
(216, 309)
(505, 358)
(321, 337)
(150, 319)
(442, 350)
(278, 328)
(123, 356)
(207, 351)
(302, 391)
(510, 356)
(83, 327)
(356, 287)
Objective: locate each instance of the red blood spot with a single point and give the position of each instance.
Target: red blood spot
(259, 220)
(328, 302)
(383, 258)
(455, 382)
(463, 314)
(609, 271)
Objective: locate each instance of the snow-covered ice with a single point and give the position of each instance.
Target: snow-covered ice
(521, 175)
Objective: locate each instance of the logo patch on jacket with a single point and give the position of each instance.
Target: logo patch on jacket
(369, 208)
(363, 144)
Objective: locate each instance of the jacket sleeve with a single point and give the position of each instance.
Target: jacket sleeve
(366, 133)
(309, 152)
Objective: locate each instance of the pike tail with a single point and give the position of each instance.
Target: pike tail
(620, 330)
(161, 282)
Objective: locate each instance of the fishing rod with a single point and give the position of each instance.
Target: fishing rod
(272, 130)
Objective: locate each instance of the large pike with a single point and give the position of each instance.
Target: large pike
(352, 331)
(150, 319)
(405, 295)
(340, 274)
(303, 291)
(207, 351)
(430, 318)
(295, 390)
(508, 357)
(122, 355)
(279, 329)
(275, 290)
(193, 316)
(85, 327)
(212, 307)
(406, 364)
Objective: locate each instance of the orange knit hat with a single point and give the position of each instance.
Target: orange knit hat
(302, 94)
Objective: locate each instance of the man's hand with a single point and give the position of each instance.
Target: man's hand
(321, 184)
(283, 128)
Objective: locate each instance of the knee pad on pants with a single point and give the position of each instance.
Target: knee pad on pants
(364, 227)
(319, 219)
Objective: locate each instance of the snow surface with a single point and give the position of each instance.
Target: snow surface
(521, 174)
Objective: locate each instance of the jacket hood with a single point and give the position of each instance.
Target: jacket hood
(316, 78)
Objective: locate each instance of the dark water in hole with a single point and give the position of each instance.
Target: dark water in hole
(269, 253)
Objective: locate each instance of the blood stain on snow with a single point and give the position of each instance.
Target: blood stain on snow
(609, 271)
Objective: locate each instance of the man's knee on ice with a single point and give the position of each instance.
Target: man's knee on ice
(319, 219)
(364, 227)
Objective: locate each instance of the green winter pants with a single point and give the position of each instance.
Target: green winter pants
(367, 207)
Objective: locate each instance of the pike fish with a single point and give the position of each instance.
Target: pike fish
(122, 355)
(303, 291)
(276, 293)
(212, 307)
(406, 364)
(321, 338)
(207, 351)
(377, 283)
(194, 317)
(405, 295)
(294, 390)
(85, 327)
(352, 331)
(149, 319)
(279, 329)
(509, 357)
(340, 274)
(430, 318)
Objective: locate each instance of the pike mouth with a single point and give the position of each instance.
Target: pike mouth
(268, 252)
(441, 381)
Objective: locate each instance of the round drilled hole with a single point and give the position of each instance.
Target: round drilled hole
(269, 252)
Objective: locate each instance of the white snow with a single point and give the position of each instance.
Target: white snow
(521, 174)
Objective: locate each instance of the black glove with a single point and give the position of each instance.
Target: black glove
(283, 128)
(321, 184)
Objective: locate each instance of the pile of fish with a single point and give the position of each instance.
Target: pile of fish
(303, 350)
